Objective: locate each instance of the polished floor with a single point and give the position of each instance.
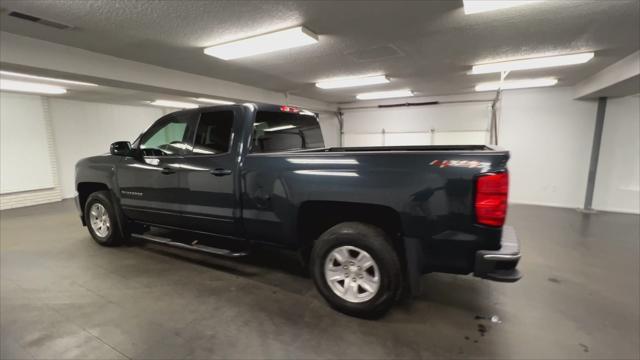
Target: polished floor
(63, 296)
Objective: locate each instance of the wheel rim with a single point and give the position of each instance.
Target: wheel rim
(99, 219)
(352, 274)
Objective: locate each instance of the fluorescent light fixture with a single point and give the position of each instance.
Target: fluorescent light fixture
(174, 104)
(27, 76)
(352, 82)
(532, 63)
(516, 84)
(321, 161)
(29, 87)
(277, 128)
(478, 6)
(262, 44)
(215, 101)
(326, 173)
(385, 94)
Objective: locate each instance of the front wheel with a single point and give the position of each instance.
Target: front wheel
(356, 269)
(101, 219)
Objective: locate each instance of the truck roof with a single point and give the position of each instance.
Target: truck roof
(259, 107)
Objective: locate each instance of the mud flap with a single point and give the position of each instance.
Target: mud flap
(413, 255)
(121, 218)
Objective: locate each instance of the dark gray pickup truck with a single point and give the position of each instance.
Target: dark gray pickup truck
(366, 221)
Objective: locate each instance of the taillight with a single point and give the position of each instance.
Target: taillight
(491, 198)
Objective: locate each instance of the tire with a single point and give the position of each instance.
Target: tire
(342, 245)
(103, 223)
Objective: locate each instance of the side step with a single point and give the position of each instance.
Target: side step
(194, 246)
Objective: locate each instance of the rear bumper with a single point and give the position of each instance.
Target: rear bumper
(500, 265)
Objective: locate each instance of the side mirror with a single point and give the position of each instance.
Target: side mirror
(120, 148)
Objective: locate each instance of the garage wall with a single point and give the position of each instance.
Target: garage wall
(85, 129)
(549, 135)
(617, 185)
(28, 166)
(330, 129)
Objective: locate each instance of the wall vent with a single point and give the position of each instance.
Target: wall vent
(41, 21)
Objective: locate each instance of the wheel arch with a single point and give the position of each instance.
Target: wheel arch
(315, 217)
(86, 188)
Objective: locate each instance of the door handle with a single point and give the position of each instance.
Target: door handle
(220, 172)
(168, 171)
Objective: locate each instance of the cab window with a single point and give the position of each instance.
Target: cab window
(282, 131)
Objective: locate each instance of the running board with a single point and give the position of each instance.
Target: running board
(194, 246)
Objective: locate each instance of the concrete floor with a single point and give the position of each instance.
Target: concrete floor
(63, 296)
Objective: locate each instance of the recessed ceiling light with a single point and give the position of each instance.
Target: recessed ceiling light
(27, 76)
(21, 86)
(516, 84)
(215, 101)
(532, 63)
(385, 94)
(352, 82)
(174, 104)
(262, 44)
(478, 6)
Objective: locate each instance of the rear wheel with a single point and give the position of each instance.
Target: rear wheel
(356, 269)
(101, 219)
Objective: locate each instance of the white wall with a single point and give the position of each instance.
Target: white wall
(28, 173)
(617, 185)
(85, 129)
(330, 129)
(549, 135)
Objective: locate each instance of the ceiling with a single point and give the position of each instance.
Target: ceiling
(427, 46)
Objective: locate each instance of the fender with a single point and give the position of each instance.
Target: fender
(100, 170)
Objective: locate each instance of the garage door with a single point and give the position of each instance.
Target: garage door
(446, 124)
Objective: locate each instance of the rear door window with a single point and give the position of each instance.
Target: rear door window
(213, 135)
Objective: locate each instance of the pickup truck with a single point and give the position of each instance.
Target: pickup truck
(367, 221)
